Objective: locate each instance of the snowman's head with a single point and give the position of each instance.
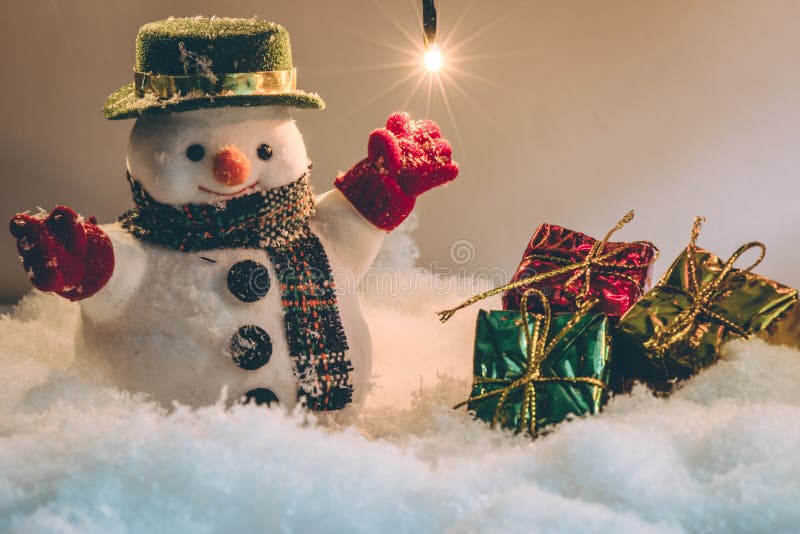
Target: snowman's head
(209, 155)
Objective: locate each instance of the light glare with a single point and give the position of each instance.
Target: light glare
(433, 59)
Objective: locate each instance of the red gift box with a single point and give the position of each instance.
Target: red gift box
(571, 267)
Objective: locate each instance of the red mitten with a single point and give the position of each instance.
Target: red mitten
(404, 160)
(63, 253)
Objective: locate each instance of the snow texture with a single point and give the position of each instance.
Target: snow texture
(79, 456)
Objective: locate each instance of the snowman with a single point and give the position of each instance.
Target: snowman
(230, 274)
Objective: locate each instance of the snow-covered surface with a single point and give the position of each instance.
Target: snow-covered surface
(79, 456)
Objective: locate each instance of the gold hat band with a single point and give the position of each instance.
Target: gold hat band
(241, 83)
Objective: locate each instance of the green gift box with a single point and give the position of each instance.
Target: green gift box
(701, 302)
(531, 371)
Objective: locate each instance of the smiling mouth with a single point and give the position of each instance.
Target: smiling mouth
(251, 186)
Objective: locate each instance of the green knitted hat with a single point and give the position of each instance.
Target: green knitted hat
(200, 62)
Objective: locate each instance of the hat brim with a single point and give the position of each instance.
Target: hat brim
(126, 104)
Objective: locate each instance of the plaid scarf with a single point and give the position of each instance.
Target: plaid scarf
(275, 220)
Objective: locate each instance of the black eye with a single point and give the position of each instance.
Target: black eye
(264, 151)
(195, 152)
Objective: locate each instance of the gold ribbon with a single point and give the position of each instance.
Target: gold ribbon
(702, 296)
(239, 83)
(596, 261)
(538, 350)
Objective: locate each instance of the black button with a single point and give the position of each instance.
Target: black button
(248, 280)
(251, 347)
(260, 396)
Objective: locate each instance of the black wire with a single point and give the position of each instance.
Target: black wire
(429, 22)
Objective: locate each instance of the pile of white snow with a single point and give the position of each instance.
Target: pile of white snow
(722, 454)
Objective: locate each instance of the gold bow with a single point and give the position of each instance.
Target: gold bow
(538, 348)
(596, 261)
(702, 296)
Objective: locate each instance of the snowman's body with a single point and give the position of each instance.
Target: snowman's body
(165, 322)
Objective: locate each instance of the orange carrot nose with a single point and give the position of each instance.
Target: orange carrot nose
(231, 166)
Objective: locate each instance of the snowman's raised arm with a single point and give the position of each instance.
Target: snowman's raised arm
(348, 236)
(405, 159)
(130, 263)
(77, 259)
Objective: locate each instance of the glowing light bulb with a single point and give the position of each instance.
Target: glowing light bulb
(433, 59)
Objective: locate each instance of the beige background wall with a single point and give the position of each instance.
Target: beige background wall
(588, 108)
